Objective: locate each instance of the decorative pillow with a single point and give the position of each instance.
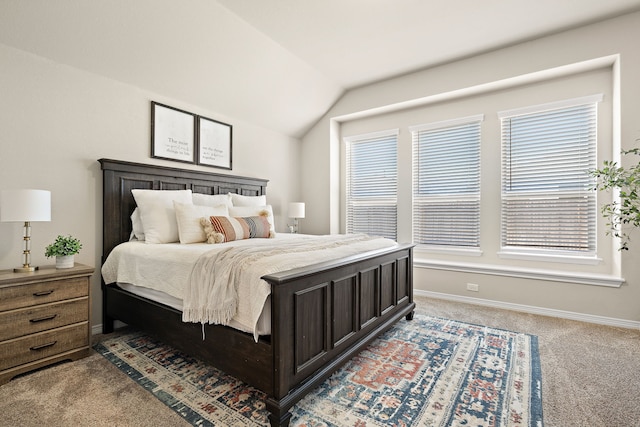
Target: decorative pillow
(221, 229)
(211, 199)
(188, 218)
(137, 231)
(158, 214)
(240, 200)
(243, 211)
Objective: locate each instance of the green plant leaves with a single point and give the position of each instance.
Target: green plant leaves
(620, 216)
(63, 246)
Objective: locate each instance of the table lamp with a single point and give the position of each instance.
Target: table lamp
(296, 211)
(25, 206)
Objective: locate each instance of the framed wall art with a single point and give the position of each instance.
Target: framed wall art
(173, 134)
(214, 143)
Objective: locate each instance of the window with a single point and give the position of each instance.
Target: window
(446, 183)
(372, 184)
(548, 200)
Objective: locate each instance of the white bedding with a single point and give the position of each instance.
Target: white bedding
(167, 268)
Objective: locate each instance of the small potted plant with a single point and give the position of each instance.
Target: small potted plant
(64, 249)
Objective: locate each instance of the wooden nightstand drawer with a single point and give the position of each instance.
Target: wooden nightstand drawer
(44, 344)
(40, 318)
(44, 318)
(12, 297)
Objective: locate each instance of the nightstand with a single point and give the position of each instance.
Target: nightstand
(44, 318)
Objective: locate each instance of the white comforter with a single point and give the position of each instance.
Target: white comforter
(216, 286)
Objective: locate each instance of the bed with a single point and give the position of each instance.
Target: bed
(319, 315)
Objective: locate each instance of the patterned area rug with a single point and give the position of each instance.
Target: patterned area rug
(425, 372)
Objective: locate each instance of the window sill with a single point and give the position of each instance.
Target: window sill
(452, 250)
(526, 273)
(548, 257)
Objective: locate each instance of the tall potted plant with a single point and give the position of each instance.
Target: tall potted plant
(63, 248)
(625, 214)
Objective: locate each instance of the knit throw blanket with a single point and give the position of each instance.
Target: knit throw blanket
(226, 284)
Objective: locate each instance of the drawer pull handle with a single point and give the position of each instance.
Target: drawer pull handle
(43, 346)
(43, 318)
(43, 293)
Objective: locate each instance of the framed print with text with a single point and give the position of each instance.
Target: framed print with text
(214, 143)
(173, 135)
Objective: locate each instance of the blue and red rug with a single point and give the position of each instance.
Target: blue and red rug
(425, 372)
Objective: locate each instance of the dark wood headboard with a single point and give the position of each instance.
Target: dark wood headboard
(119, 178)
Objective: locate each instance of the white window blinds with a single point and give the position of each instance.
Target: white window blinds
(548, 197)
(372, 183)
(446, 183)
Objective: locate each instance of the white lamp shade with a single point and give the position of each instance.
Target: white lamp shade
(296, 210)
(25, 205)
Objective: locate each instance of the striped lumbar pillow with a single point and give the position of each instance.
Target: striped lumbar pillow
(220, 229)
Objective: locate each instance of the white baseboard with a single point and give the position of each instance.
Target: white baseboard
(589, 318)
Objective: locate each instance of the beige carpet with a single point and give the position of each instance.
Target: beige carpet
(590, 377)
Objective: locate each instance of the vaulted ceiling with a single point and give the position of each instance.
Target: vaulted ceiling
(279, 64)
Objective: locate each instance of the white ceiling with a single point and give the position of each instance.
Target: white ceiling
(355, 42)
(279, 64)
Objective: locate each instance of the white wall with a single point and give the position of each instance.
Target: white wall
(321, 154)
(57, 121)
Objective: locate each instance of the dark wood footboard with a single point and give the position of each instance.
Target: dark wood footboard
(323, 315)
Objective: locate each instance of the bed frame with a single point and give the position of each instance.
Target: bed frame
(321, 316)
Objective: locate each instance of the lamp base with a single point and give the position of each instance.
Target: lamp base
(25, 269)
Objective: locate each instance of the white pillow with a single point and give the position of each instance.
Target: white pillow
(243, 211)
(137, 231)
(158, 214)
(188, 218)
(240, 200)
(211, 199)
